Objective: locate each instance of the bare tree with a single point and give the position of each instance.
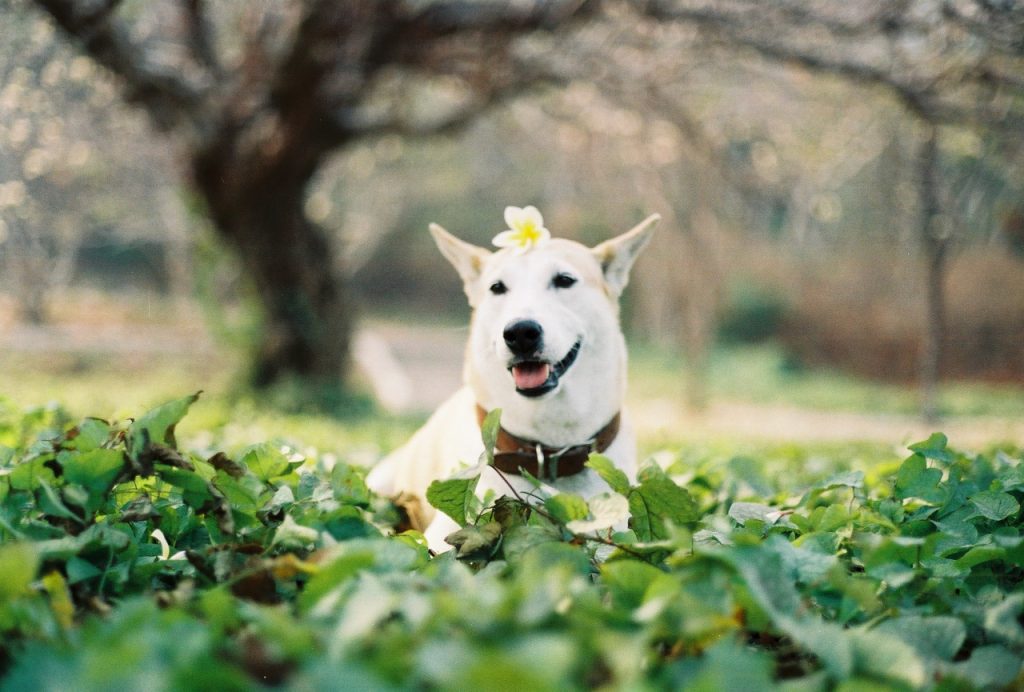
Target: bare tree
(257, 97)
(948, 62)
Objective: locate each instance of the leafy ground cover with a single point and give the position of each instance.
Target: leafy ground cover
(128, 561)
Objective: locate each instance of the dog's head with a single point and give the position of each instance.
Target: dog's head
(545, 317)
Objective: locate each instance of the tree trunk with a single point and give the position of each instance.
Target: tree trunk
(256, 203)
(935, 240)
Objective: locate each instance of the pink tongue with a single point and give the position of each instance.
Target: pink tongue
(530, 375)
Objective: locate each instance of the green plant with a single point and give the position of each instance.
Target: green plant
(126, 561)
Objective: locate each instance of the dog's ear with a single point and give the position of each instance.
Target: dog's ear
(467, 259)
(616, 256)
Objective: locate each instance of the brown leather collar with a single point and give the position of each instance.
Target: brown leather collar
(514, 454)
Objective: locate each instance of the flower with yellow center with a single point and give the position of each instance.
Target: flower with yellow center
(525, 229)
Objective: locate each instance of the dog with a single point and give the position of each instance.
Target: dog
(545, 346)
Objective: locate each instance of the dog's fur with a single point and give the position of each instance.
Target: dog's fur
(583, 400)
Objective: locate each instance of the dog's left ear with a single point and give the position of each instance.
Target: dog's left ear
(616, 256)
(468, 259)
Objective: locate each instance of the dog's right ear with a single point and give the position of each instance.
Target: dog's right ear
(467, 259)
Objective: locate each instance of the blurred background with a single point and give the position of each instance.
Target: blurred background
(207, 194)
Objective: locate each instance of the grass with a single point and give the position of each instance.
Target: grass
(763, 375)
(227, 416)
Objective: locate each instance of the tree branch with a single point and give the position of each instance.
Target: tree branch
(924, 89)
(450, 16)
(168, 98)
(456, 120)
(200, 35)
(1002, 23)
(338, 51)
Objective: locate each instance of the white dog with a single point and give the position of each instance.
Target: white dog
(545, 347)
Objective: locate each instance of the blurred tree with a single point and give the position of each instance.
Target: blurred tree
(58, 192)
(947, 62)
(256, 96)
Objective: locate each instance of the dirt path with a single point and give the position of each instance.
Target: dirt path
(782, 423)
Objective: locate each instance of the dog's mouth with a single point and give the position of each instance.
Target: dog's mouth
(537, 377)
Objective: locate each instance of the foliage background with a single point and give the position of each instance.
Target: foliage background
(128, 561)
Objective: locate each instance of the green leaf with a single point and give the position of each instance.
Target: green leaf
(609, 473)
(521, 540)
(454, 497)
(79, 496)
(1010, 477)
(628, 580)
(607, 510)
(18, 565)
(934, 448)
(915, 479)
(846, 479)
(989, 667)
(284, 497)
(742, 512)
(220, 608)
(728, 665)
(292, 535)
(978, 555)
(830, 518)
(90, 434)
(957, 532)
(157, 426)
(489, 433)
(51, 503)
(566, 507)
(640, 520)
(188, 481)
(349, 485)
(80, 570)
(883, 655)
(472, 539)
(826, 640)
(656, 500)
(553, 559)
(246, 493)
(27, 475)
(95, 469)
(995, 505)
(266, 461)
(1004, 619)
(750, 472)
(332, 575)
(939, 636)
(806, 564)
(768, 581)
(773, 589)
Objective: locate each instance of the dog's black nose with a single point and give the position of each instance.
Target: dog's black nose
(524, 337)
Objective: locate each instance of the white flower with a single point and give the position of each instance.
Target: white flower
(165, 548)
(525, 229)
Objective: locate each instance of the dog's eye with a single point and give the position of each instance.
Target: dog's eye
(563, 280)
(499, 287)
